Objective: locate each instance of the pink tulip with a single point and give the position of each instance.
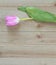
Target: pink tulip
(12, 20)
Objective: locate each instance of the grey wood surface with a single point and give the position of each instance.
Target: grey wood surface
(27, 2)
(29, 38)
(27, 61)
(28, 43)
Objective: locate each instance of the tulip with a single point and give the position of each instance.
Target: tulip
(14, 20)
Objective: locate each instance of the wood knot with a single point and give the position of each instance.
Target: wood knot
(54, 4)
(39, 36)
(39, 25)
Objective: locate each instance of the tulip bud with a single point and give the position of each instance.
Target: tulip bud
(12, 20)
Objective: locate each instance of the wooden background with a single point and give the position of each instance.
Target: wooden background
(29, 41)
(27, 61)
(28, 38)
(27, 2)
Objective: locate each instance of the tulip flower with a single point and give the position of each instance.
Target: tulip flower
(14, 20)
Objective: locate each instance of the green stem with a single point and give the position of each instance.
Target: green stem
(25, 19)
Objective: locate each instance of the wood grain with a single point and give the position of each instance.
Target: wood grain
(27, 61)
(27, 2)
(27, 39)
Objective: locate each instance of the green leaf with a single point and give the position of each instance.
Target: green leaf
(39, 15)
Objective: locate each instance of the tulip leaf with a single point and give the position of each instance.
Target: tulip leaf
(38, 14)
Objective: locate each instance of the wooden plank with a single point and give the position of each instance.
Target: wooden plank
(27, 61)
(27, 39)
(27, 2)
(10, 50)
